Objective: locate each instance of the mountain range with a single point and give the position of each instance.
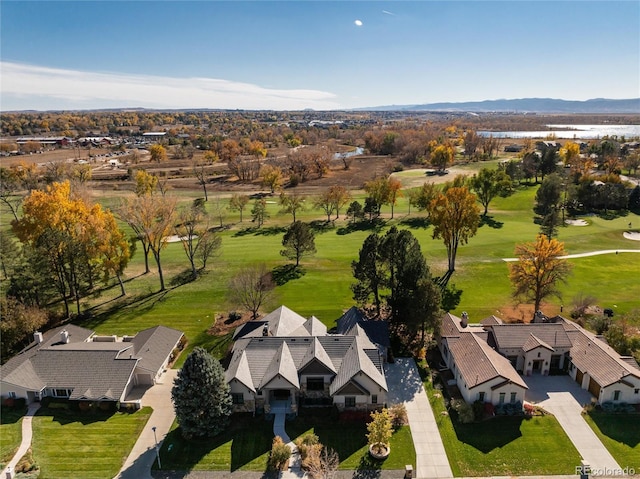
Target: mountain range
(521, 105)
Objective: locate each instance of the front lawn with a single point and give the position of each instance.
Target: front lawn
(505, 445)
(620, 434)
(92, 445)
(10, 433)
(245, 445)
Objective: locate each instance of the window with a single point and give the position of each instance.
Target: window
(481, 396)
(513, 398)
(350, 401)
(502, 395)
(315, 384)
(616, 395)
(237, 398)
(12, 394)
(61, 393)
(636, 391)
(374, 399)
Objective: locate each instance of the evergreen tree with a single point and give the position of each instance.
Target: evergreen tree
(298, 241)
(201, 397)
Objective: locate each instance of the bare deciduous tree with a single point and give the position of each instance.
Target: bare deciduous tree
(251, 288)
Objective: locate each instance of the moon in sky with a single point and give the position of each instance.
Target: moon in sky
(358, 23)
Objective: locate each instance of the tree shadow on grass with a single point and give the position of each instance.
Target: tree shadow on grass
(490, 222)
(416, 222)
(368, 468)
(270, 231)
(364, 225)
(285, 273)
(486, 436)
(322, 226)
(139, 303)
(249, 230)
(68, 416)
(182, 278)
(619, 427)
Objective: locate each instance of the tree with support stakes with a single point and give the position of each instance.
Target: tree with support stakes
(201, 397)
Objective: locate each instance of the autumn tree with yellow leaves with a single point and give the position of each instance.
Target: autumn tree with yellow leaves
(80, 241)
(539, 270)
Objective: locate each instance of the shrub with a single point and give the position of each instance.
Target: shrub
(20, 403)
(279, 456)
(478, 410)
(380, 429)
(398, 415)
(309, 447)
(464, 410)
(84, 406)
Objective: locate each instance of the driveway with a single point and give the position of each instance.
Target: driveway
(564, 398)
(138, 464)
(405, 386)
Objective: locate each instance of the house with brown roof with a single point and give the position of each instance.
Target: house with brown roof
(285, 361)
(74, 363)
(497, 355)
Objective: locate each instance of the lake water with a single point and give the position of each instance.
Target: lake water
(348, 154)
(583, 132)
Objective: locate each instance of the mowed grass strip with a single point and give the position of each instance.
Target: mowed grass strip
(620, 434)
(10, 433)
(70, 444)
(504, 445)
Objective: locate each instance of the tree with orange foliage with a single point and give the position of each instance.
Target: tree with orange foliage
(455, 217)
(539, 269)
(441, 157)
(79, 240)
(158, 153)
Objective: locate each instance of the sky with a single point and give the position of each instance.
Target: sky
(324, 55)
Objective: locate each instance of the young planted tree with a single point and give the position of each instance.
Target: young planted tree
(201, 396)
(488, 184)
(394, 192)
(380, 430)
(298, 242)
(251, 288)
(539, 270)
(455, 216)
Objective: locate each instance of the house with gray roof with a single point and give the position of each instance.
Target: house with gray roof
(286, 361)
(74, 363)
(496, 355)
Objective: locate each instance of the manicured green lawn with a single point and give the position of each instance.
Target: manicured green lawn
(10, 433)
(620, 433)
(71, 444)
(245, 445)
(505, 445)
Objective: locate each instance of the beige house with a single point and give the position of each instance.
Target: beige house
(489, 359)
(74, 363)
(285, 361)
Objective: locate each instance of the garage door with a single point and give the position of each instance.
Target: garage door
(579, 375)
(594, 388)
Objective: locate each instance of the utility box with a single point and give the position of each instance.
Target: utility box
(9, 472)
(585, 469)
(408, 471)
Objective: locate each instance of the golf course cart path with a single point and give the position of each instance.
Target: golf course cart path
(584, 255)
(27, 433)
(405, 386)
(138, 464)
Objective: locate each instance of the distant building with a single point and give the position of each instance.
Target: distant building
(154, 136)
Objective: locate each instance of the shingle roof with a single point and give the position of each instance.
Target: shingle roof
(154, 345)
(491, 320)
(311, 327)
(239, 369)
(317, 352)
(282, 364)
(283, 321)
(376, 330)
(479, 363)
(356, 361)
(514, 336)
(533, 342)
(348, 320)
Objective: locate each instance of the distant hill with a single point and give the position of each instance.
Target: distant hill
(534, 105)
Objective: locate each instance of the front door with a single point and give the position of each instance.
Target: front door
(537, 366)
(280, 394)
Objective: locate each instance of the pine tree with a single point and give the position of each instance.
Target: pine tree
(201, 397)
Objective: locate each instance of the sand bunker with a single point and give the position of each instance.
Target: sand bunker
(633, 235)
(173, 239)
(577, 222)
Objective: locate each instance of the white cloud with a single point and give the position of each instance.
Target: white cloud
(387, 12)
(32, 87)
(358, 23)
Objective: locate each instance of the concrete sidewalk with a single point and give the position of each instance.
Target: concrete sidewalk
(141, 458)
(25, 444)
(564, 398)
(405, 386)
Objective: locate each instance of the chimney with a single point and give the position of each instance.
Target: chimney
(464, 319)
(37, 337)
(64, 336)
(265, 330)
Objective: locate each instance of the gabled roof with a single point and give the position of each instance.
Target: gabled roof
(239, 369)
(283, 321)
(514, 336)
(533, 342)
(362, 335)
(281, 365)
(317, 352)
(311, 327)
(348, 320)
(479, 363)
(357, 361)
(154, 345)
(376, 330)
(491, 320)
(249, 329)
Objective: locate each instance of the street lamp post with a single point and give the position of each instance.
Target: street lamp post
(157, 449)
